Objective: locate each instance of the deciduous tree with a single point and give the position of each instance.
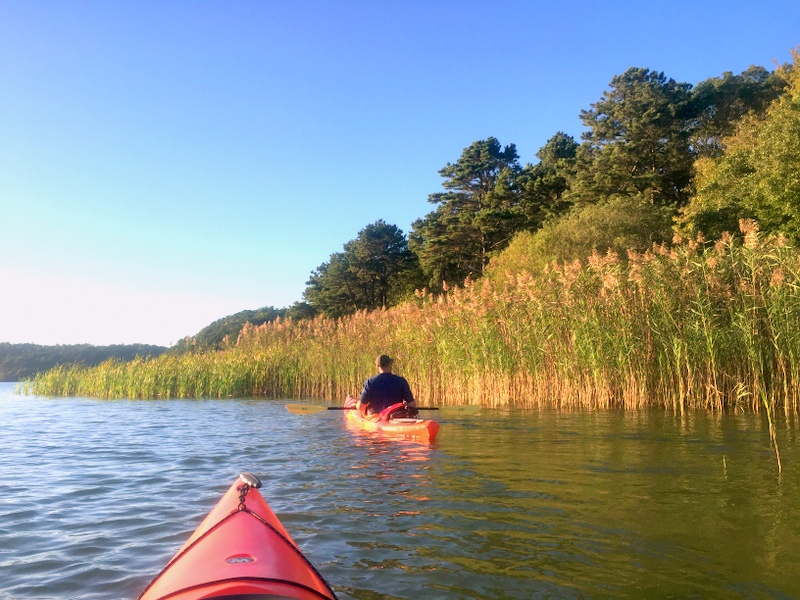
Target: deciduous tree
(757, 175)
(721, 102)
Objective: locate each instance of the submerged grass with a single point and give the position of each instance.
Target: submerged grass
(682, 327)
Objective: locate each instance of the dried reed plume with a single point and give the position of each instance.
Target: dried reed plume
(679, 328)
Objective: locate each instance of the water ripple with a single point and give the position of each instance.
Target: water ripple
(98, 495)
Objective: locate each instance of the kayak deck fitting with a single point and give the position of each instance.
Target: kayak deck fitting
(241, 551)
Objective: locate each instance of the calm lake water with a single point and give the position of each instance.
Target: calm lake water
(96, 496)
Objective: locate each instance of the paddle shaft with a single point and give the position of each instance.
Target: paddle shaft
(353, 408)
(310, 409)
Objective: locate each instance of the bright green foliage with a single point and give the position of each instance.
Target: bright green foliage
(475, 216)
(757, 176)
(376, 270)
(638, 141)
(618, 224)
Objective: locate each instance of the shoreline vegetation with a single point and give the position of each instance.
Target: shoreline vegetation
(648, 319)
(19, 362)
(681, 327)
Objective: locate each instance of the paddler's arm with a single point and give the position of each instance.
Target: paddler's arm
(408, 397)
(363, 403)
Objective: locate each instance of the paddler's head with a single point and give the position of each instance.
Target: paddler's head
(383, 364)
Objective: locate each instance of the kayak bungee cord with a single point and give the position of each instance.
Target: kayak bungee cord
(249, 479)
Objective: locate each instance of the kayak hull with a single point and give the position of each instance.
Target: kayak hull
(422, 430)
(241, 548)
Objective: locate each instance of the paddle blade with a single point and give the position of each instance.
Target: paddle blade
(305, 409)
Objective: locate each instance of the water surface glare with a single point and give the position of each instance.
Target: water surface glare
(96, 496)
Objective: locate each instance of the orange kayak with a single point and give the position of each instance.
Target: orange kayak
(240, 550)
(423, 430)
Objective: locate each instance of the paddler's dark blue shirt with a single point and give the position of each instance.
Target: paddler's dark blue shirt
(385, 389)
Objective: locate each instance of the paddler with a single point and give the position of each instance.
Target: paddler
(385, 389)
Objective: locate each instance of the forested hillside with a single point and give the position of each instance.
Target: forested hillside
(226, 330)
(22, 361)
(654, 151)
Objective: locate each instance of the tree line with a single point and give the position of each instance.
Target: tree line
(225, 331)
(19, 362)
(22, 361)
(657, 157)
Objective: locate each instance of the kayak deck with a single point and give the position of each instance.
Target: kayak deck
(241, 550)
(422, 430)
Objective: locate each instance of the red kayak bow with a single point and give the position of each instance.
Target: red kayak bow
(240, 551)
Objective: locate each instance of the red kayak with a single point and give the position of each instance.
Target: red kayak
(241, 551)
(423, 430)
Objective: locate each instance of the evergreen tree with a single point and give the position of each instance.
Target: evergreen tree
(638, 141)
(477, 214)
(375, 270)
(543, 186)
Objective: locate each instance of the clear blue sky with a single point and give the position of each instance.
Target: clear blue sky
(165, 164)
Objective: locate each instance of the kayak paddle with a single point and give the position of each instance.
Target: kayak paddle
(312, 409)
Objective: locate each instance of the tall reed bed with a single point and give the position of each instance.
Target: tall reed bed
(680, 327)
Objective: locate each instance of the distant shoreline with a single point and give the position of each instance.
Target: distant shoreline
(19, 362)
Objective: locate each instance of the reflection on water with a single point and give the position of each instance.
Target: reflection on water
(634, 504)
(96, 496)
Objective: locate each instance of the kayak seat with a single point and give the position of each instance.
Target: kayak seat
(396, 411)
